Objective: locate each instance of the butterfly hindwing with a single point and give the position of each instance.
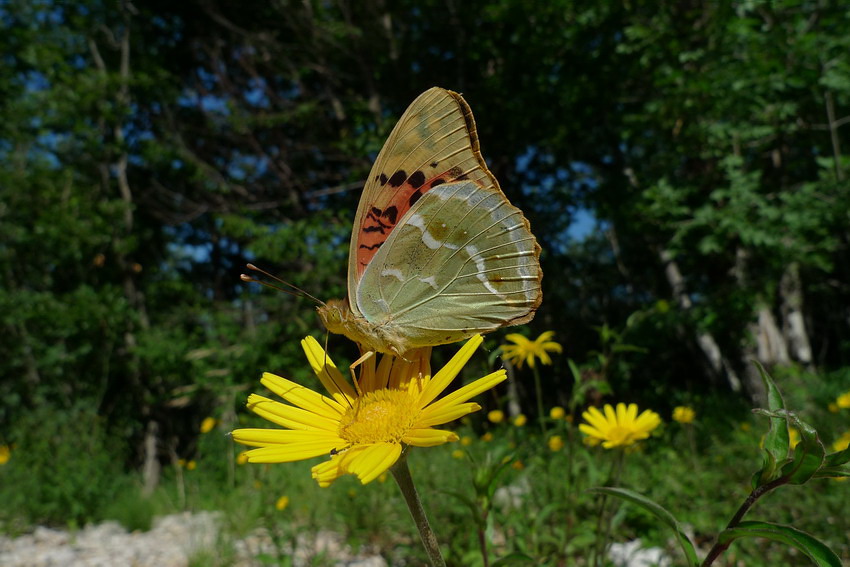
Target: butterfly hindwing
(434, 143)
(461, 261)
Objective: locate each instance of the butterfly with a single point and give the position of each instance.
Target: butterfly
(437, 252)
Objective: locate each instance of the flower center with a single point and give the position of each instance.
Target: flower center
(379, 416)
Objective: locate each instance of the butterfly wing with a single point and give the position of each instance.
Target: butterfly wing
(434, 143)
(461, 261)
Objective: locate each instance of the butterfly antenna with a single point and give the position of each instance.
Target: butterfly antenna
(290, 289)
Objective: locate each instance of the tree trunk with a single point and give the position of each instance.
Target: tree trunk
(793, 323)
(718, 363)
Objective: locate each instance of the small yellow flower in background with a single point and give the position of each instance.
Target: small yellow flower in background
(832, 407)
(208, 424)
(524, 350)
(5, 454)
(363, 431)
(191, 465)
(466, 440)
(557, 412)
(683, 414)
(487, 437)
(352, 493)
(458, 454)
(282, 503)
(793, 437)
(383, 478)
(181, 463)
(555, 443)
(746, 426)
(517, 465)
(618, 428)
(496, 416)
(843, 401)
(842, 442)
(520, 420)
(569, 418)
(241, 458)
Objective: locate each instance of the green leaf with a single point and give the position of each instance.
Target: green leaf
(513, 559)
(659, 512)
(808, 454)
(776, 441)
(814, 549)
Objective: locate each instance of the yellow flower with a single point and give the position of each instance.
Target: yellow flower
(5, 454)
(793, 437)
(191, 465)
(832, 407)
(181, 463)
(496, 416)
(282, 503)
(557, 412)
(524, 350)
(520, 420)
(745, 426)
(843, 401)
(458, 454)
(208, 424)
(842, 442)
(683, 414)
(363, 431)
(555, 443)
(487, 437)
(518, 465)
(619, 428)
(466, 440)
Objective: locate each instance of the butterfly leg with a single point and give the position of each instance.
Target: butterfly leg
(355, 364)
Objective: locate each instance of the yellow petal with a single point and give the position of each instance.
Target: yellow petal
(289, 452)
(430, 416)
(429, 437)
(326, 371)
(262, 437)
(469, 391)
(374, 460)
(302, 397)
(443, 378)
(289, 416)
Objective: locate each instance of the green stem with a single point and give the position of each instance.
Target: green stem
(613, 480)
(540, 415)
(718, 549)
(401, 473)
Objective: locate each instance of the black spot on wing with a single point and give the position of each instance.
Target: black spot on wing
(372, 247)
(383, 180)
(437, 181)
(398, 178)
(415, 197)
(391, 213)
(435, 163)
(416, 179)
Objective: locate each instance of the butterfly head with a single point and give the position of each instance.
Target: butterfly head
(334, 315)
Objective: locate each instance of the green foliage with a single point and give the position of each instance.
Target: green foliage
(65, 468)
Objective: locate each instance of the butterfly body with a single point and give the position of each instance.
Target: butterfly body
(437, 253)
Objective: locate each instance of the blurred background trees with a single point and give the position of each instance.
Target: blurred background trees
(682, 164)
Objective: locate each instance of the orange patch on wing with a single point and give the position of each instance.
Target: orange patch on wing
(379, 222)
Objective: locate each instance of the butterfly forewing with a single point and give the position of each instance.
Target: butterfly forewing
(434, 143)
(461, 261)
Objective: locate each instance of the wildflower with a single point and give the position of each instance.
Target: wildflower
(619, 428)
(208, 424)
(524, 350)
(282, 503)
(557, 412)
(364, 432)
(496, 416)
(683, 414)
(832, 407)
(466, 440)
(793, 437)
(458, 454)
(487, 437)
(843, 401)
(520, 420)
(5, 454)
(555, 443)
(518, 465)
(746, 426)
(842, 442)
(191, 465)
